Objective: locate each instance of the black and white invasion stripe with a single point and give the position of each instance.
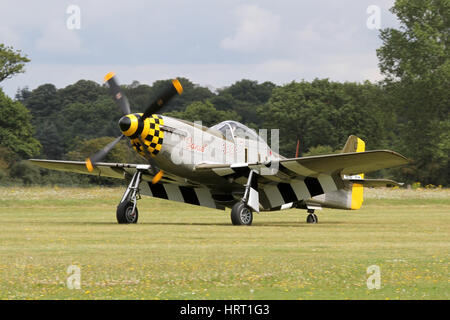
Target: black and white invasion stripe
(173, 192)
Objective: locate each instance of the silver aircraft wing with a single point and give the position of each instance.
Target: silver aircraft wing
(105, 169)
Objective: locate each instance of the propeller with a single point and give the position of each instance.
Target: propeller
(156, 171)
(163, 98)
(117, 93)
(122, 101)
(99, 155)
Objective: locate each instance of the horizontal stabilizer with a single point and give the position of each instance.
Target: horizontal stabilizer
(350, 163)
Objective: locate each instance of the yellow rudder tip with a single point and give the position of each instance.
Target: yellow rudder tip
(361, 147)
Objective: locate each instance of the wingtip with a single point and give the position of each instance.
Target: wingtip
(405, 159)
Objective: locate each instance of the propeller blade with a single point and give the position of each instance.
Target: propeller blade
(117, 93)
(156, 171)
(157, 176)
(164, 97)
(99, 155)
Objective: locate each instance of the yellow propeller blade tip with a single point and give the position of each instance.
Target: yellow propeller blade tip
(89, 165)
(177, 86)
(109, 76)
(157, 177)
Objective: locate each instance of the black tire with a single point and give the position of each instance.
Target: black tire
(241, 215)
(312, 218)
(124, 213)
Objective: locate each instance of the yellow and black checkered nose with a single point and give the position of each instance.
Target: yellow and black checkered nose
(148, 130)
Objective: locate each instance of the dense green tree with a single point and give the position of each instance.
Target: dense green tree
(204, 112)
(22, 94)
(224, 101)
(324, 113)
(420, 46)
(320, 150)
(88, 120)
(12, 62)
(138, 95)
(83, 91)
(191, 93)
(416, 62)
(26, 172)
(122, 152)
(16, 131)
(250, 91)
(51, 140)
(244, 97)
(81, 110)
(7, 158)
(43, 102)
(370, 115)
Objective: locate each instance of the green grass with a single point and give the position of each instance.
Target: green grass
(179, 251)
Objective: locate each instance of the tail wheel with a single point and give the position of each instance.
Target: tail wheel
(312, 218)
(241, 215)
(126, 214)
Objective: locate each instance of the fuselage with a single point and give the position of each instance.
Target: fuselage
(178, 145)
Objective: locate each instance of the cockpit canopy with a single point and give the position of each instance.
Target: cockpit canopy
(233, 129)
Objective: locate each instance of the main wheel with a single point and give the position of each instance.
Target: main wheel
(241, 215)
(125, 213)
(312, 218)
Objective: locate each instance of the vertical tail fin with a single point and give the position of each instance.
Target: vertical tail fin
(355, 144)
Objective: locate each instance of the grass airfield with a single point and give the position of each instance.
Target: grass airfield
(178, 251)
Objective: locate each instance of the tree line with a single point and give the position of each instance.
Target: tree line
(407, 112)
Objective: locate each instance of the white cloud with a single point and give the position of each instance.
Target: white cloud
(210, 42)
(257, 29)
(57, 38)
(9, 37)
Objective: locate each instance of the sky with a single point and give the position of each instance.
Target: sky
(212, 43)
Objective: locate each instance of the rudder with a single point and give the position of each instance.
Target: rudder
(355, 144)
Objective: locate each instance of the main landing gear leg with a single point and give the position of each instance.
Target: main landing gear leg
(127, 211)
(312, 217)
(241, 213)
